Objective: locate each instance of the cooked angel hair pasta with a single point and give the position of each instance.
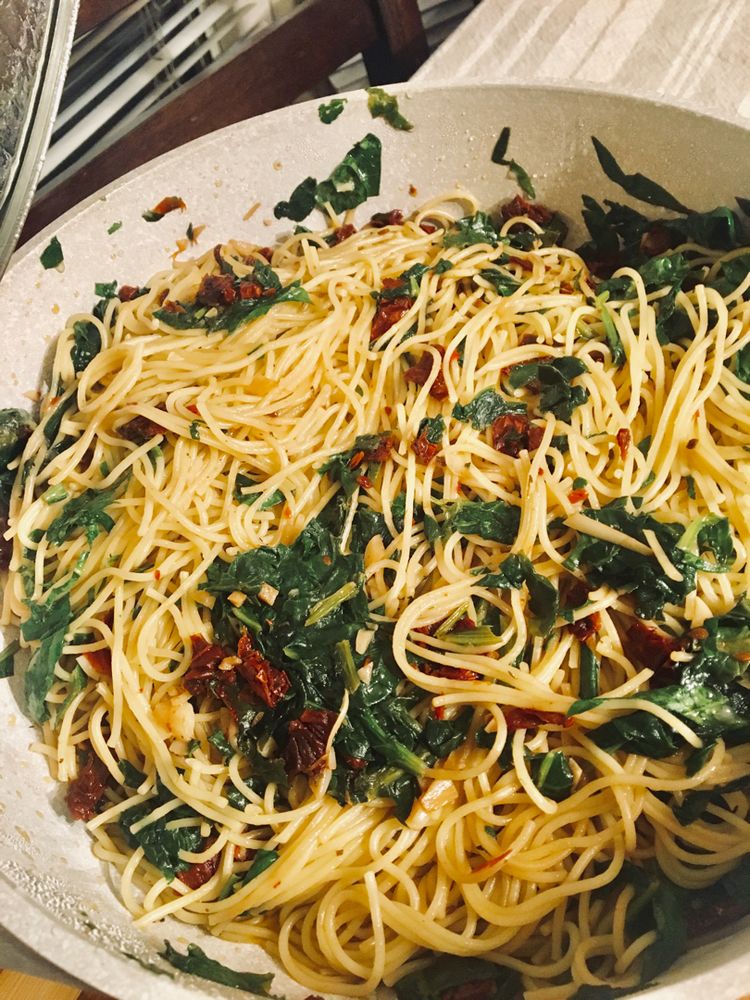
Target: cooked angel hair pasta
(339, 560)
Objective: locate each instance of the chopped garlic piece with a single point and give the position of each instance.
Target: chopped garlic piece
(267, 594)
(363, 639)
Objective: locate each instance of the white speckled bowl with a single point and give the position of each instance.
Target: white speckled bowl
(54, 896)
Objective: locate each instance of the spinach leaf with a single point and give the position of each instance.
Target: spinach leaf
(441, 736)
(552, 775)
(52, 255)
(87, 342)
(471, 229)
(15, 429)
(493, 520)
(86, 511)
(636, 185)
(161, 846)
(355, 179)
(7, 661)
(197, 963)
(340, 468)
(383, 105)
(610, 331)
(113, 228)
(241, 494)
(240, 312)
(410, 281)
(731, 274)
(133, 777)
(502, 283)
(301, 201)
(709, 533)
(518, 570)
(48, 623)
(446, 974)
(485, 408)
(330, 111)
(723, 654)
(694, 804)
(76, 684)
(633, 572)
(218, 739)
(553, 380)
(498, 156)
(433, 429)
(588, 669)
(261, 861)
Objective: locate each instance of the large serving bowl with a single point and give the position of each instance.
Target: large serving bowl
(55, 897)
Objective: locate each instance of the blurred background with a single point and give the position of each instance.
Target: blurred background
(152, 48)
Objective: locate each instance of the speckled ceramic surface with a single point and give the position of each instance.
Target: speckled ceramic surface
(54, 896)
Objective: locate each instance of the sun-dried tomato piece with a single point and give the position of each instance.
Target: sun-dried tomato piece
(389, 312)
(718, 914)
(126, 293)
(650, 647)
(424, 449)
(6, 545)
(140, 429)
(530, 718)
(354, 763)
(532, 210)
(393, 218)
(657, 239)
(86, 791)
(216, 290)
(100, 660)
(623, 442)
(422, 370)
(266, 252)
(382, 449)
(250, 290)
(199, 873)
(341, 234)
(584, 628)
(206, 658)
(306, 751)
(475, 989)
(166, 205)
(267, 682)
(510, 434)
(449, 673)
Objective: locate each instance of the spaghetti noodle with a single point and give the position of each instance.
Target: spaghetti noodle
(336, 570)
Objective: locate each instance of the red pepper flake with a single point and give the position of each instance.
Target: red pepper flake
(530, 718)
(305, 751)
(526, 265)
(192, 408)
(439, 712)
(393, 218)
(86, 791)
(356, 460)
(267, 682)
(164, 207)
(428, 227)
(597, 356)
(199, 873)
(424, 449)
(157, 574)
(341, 234)
(623, 442)
(577, 496)
(216, 290)
(532, 210)
(171, 306)
(513, 433)
(364, 483)
(266, 252)
(491, 862)
(422, 370)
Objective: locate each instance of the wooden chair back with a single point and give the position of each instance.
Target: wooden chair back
(272, 69)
